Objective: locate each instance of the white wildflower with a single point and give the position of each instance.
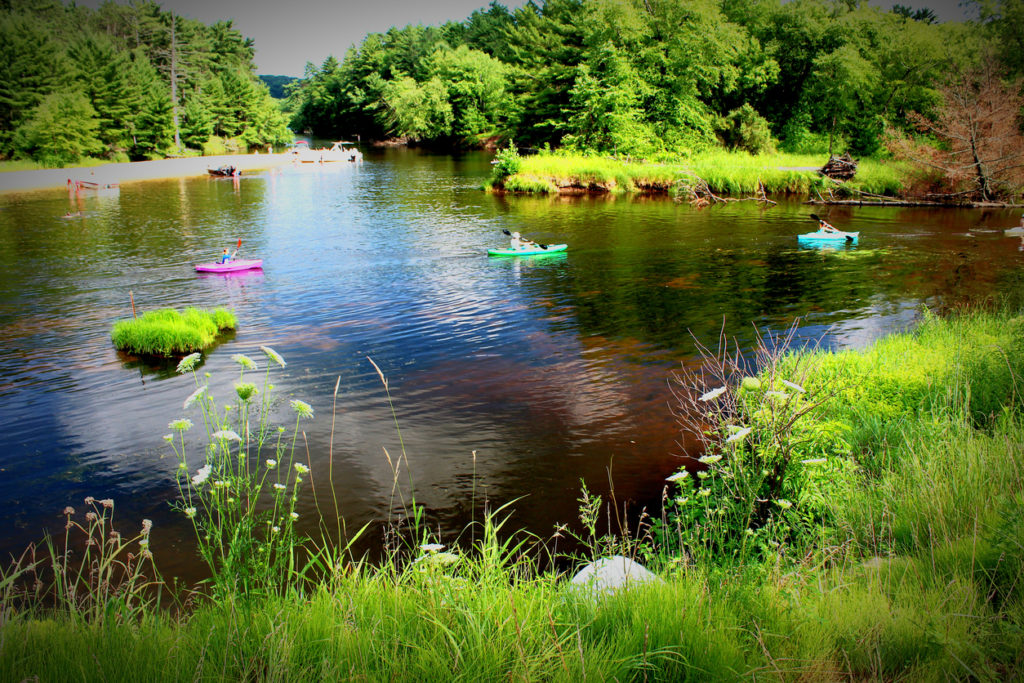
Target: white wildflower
(226, 435)
(795, 387)
(202, 474)
(704, 492)
(813, 461)
(712, 395)
(194, 396)
(280, 487)
(300, 468)
(295, 515)
(273, 355)
(271, 463)
(244, 360)
(190, 512)
(275, 529)
(168, 438)
(710, 459)
(181, 425)
(739, 436)
(682, 474)
(189, 362)
(432, 547)
(783, 503)
(301, 408)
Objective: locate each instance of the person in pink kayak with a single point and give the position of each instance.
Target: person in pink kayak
(225, 257)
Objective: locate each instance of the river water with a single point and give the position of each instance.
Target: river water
(552, 370)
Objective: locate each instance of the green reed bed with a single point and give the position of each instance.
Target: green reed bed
(864, 519)
(167, 332)
(726, 173)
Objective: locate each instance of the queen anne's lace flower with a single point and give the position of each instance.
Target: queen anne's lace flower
(712, 395)
(273, 355)
(202, 474)
(189, 362)
(301, 408)
(244, 360)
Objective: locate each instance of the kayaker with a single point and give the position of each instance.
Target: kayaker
(225, 257)
(825, 227)
(519, 242)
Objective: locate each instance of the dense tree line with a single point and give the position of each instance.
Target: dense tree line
(125, 82)
(643, 77)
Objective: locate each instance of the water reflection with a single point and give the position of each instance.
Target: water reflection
(551, 369)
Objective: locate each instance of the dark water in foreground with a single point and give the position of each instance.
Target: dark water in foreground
(552, 369)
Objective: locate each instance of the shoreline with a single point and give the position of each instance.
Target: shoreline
(135, 171)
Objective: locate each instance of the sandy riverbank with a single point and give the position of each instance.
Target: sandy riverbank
(51, 178)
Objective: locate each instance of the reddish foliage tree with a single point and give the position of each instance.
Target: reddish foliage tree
(981, 155)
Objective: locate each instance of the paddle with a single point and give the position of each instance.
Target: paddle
(542, 246)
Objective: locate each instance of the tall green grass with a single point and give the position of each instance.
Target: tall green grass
(166, 332)
(726, 173)
(900, 556)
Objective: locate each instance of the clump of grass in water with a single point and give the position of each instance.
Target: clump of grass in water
(167, 332)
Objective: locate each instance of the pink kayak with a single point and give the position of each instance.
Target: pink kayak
(230, 266)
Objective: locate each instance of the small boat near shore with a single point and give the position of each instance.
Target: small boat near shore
(79, 185)
(338, 152)
(231, 266)
(226, 171)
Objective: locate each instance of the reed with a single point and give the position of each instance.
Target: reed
(726, 173)
(166, 332)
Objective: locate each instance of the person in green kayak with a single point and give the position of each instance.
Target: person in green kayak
(520, 242)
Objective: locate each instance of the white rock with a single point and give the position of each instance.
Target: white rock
(607, 575)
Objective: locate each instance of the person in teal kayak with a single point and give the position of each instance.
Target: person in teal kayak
(825, 227)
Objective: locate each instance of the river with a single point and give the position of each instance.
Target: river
(511, 379)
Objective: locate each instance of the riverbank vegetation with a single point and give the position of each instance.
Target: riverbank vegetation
(167, 332)
(853, 515)
(719, 172)
(663, 81)
(126, 82)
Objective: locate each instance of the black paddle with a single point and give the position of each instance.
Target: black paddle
(820, 221)
(542, 246)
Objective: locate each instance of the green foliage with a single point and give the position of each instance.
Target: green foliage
(747, 130)
(507, 162)
(121, 58)
(166, 332)
(60, 131)
(31, 67)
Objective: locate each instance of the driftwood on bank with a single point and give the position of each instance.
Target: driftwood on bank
(839, 167)
(696, 190)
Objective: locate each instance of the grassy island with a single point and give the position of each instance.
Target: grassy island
(858, 515)
(721, 172)
(166, 332)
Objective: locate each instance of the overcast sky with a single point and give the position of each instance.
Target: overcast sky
(289, 33)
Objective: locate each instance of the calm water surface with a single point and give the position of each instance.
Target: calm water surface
(553, 369)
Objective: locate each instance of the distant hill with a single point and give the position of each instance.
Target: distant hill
(276, 85)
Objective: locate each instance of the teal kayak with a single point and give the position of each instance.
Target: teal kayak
(825, 236)
(528, 251)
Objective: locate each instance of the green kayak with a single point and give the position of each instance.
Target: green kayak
(528, 251)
